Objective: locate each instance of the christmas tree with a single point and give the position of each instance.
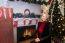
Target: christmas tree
(58, 22)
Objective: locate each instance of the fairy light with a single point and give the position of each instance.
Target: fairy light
(63, 29)
(58, 19)
(59, 26)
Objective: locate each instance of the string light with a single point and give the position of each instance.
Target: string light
(58, 19)
(58, 6)
(63, 24)
(53, 15)
(58, 12)
(60, 32)
(64, 37)
(63, 29)
(59, 26)
(61, 19)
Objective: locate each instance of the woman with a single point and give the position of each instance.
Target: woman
(44, 27)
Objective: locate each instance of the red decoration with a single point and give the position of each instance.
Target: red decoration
(15, 23)
(30, 21)
(24, 22)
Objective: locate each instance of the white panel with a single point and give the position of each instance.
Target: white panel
(20, 6)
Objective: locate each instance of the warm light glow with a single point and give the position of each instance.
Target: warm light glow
(27, 32)
(60, 32)
(64, 37)
(58, 19)
(59, 26)
(63, 29)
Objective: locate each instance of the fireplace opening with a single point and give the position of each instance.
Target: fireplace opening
(25, 33)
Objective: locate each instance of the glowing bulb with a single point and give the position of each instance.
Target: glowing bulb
(59, 26)
(61, 19)
(60, 32)
(64, 37)
(63, 29)
(58, 12)
(58, 19)
(63, 24)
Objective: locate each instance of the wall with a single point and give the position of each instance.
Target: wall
(21, 6)
(3, 3)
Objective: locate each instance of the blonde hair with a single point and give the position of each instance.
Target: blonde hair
(44, 15)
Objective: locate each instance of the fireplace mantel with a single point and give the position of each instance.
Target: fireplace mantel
(25, 21)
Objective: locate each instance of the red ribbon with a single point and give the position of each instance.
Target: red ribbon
(15, 23)
(24, 22)
(30, 21)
